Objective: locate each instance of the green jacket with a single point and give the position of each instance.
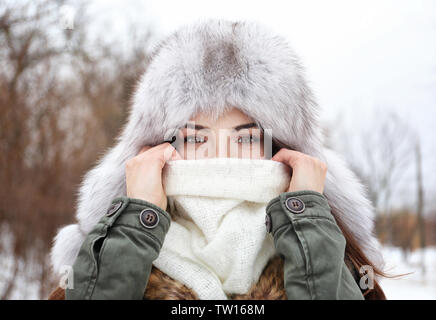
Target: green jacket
(115, 260)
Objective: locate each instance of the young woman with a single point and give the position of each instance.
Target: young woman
(180, 219)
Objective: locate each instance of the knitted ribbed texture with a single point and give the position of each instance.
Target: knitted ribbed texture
(217, 242)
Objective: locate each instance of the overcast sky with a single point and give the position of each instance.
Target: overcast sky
(359, 55)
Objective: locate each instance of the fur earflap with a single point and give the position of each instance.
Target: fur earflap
(210, 66)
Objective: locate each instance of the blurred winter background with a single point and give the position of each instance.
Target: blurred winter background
(67, 69)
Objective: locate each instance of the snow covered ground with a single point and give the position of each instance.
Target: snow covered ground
(409, 287)
(413, 286)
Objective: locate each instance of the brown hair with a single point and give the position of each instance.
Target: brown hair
(355, 254)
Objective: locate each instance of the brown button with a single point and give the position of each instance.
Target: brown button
(294, 205)
(114, 208)
(268, 223)
(149, 218)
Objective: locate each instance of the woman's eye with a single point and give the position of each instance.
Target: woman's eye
(248, 139)
(194, 139)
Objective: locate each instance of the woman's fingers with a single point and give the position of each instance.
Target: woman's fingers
(289, 157)
(161, 153)
(144, 173)
(176, 155)
(308, 173)
(292, 158)
(170, 152)
(143, 149)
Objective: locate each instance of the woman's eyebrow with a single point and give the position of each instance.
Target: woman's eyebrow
(194, 126)
(237, 128)
(246, 126)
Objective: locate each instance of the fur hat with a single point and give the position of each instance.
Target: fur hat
(209, 66)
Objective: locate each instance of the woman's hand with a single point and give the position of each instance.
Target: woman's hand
(144, 173)
(308, 173)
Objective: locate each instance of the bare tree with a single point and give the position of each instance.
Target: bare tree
(380, 151)
(420, 204)
(63, 98)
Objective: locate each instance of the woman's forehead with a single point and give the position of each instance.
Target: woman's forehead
(228, 119)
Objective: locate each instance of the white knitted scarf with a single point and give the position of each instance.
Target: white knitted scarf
(217, 243)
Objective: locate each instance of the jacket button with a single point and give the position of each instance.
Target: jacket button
(149, 218)
(114, 208)
(294, 205)
(268, 223)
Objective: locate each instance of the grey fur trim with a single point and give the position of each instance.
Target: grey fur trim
(210, 66)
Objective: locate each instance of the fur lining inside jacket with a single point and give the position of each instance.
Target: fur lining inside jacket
(206, 67)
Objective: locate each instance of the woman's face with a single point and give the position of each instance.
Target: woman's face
(233, 135)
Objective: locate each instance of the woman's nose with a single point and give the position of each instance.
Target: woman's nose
(222, 147)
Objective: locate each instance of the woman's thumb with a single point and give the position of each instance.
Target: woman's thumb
(176, 155)
(170, 153)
